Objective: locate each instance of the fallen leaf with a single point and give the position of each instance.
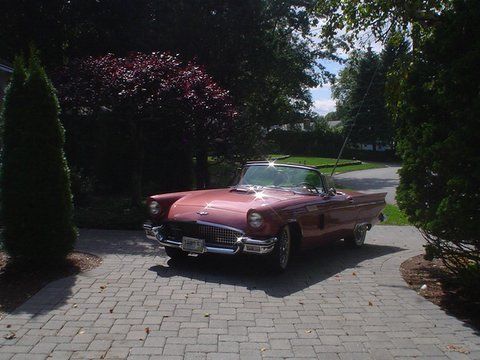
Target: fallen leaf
(300, 302)
(140, 339)
(111, 311)
(354, 273)
(370, 303)
(10, 336)
(263, 349)
(206, 315)
(308, 331)
(75, 305)
(457, 348)
(81, 332)
(147, 330)
(103, 287)
(9, 326)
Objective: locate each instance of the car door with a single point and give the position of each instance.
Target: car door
(322, 216)
(340, 212)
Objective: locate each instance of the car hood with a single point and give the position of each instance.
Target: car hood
(233, 200)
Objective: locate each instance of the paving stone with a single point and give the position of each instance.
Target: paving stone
(216, 308)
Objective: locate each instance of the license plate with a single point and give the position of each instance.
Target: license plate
(193, 244)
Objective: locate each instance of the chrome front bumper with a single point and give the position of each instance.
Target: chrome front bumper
(243, 244)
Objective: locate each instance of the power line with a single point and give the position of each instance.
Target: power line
(355, 117)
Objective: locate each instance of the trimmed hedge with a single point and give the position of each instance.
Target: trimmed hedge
(323, 143)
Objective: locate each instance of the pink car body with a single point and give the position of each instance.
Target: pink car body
(222, 218)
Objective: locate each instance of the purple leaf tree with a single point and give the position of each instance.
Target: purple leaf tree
(151, 88)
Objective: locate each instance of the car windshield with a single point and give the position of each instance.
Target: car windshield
(269, 175)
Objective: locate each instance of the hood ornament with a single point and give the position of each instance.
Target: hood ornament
(202, 212)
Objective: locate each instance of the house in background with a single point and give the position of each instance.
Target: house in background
(334, 123)
(5, 73)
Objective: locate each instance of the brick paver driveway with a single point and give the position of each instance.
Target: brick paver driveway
(333, 303)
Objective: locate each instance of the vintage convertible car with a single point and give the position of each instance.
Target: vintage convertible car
(273, 210)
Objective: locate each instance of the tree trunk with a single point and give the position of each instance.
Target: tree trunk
(201, 169)
(137, 163)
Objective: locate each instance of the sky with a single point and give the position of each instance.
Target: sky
(321, 95)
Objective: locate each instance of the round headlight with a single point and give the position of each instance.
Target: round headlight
(155, 208)
(255, 220)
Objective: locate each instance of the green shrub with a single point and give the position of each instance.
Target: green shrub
(438, 141)
(82, 185)
(37, 202)
(468, 279)
(110, 213)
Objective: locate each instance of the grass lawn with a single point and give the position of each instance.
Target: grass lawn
(319, 161)
(395, 216)
(343, 169)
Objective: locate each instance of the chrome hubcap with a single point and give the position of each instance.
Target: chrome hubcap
(284, 250)
(360, 234)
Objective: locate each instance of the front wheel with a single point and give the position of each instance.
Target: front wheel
(175, 253)
(281, 255)
(358, 237)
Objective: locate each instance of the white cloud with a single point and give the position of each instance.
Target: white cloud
(324, 106)
(319, 87)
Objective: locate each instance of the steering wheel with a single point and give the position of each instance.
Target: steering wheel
(311, 188)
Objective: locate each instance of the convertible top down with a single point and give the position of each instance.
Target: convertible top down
(273, 210)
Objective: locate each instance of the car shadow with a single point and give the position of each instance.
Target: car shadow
(253, 273)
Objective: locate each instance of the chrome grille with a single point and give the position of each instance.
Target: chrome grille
(214, 235)
(218, 235)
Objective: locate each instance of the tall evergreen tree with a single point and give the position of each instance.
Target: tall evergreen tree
(396, 57)
(36, 198)
(360, 98)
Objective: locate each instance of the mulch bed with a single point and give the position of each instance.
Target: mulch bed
(440, 289)
(20, 282)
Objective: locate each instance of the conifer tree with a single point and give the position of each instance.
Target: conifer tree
(37, 205)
